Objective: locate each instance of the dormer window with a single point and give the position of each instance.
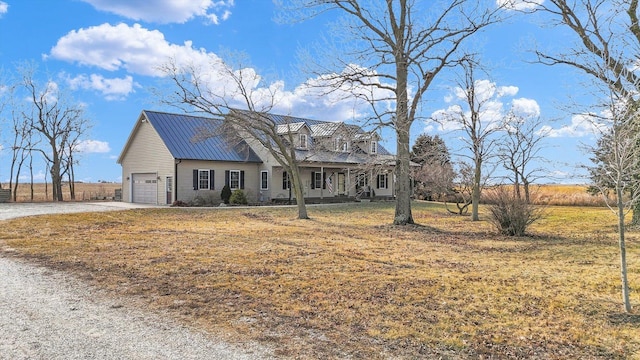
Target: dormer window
(374, 147)
(303, 141)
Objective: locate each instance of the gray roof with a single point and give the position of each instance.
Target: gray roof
(335, 157)
(292, 127)
(325, 129)
(318, 127)
(199, 138)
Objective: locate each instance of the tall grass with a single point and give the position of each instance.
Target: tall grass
(84, 191)
(562, 195)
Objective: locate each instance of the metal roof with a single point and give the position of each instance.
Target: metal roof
(318, 128)
(291, 127)
(199, 138)
(325, 129)
(324, 156)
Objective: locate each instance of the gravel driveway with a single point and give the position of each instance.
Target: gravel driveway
(46, 314)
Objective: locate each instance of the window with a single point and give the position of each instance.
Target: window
(303, 141)
(316, 178)
(362, 180)
(383, 181)
(374, 147)
(234, 179)
(341, 145)
(203, 179)
(264, 180)
(286, 181)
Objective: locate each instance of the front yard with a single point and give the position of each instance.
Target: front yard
(348, 284)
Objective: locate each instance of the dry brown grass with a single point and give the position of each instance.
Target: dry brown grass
(559, 194)
(84, 191)
(347, 284)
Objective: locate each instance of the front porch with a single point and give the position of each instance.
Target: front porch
(332, 200)
(335, 184)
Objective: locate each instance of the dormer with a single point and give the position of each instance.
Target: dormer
(368, 142)
(297, 132)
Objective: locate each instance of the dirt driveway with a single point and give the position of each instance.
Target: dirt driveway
(47, 314)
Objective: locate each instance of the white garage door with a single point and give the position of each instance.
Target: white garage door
(145, 189)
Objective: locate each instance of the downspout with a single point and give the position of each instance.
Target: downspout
(175, 179)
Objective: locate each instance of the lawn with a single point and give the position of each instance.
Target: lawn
(349, 284)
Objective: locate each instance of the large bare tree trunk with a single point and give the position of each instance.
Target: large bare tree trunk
(298, 191)
(403, 214)
(475, 195)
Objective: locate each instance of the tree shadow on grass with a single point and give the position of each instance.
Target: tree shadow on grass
(616, 318)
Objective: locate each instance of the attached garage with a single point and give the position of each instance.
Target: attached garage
(144, 188)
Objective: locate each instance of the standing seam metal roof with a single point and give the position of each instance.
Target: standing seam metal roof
(323, 128)
(198, 138)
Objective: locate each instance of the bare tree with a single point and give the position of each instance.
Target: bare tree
(69, 159)
(606, 46)
(464, 188)
(520, 150)
(195, 93)
(476, 119)
(22, 143)
(56, 120)
(616, 165)
(399, 47)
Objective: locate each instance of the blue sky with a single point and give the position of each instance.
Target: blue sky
(107, 53)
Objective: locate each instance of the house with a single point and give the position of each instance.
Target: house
(170, 157)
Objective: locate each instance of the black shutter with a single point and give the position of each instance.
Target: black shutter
(324, 180)
(284, 180)
(378, 182)
(212, 182)
(226, 177)
(195, 179)
(313, 180)
(241, 179)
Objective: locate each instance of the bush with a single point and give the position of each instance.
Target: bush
(238, 198)
(225, 194)
(511, 215)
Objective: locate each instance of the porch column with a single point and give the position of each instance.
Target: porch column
(348, 185)
(322, 179)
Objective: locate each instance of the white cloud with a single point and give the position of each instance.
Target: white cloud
(519, 5)
(491, 100)
(143, 52)
(133, 48)
(507, 91)
(581, 125)
(166, 11)
(93, 146)
(112, 89)
(4, 8)
(525, 107)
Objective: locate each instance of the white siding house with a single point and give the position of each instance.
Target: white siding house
(172, 157)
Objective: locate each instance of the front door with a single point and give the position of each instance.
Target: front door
(169, 190)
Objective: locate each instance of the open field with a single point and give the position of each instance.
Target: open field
(84, 191)
(573, 195)
(347, 284)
